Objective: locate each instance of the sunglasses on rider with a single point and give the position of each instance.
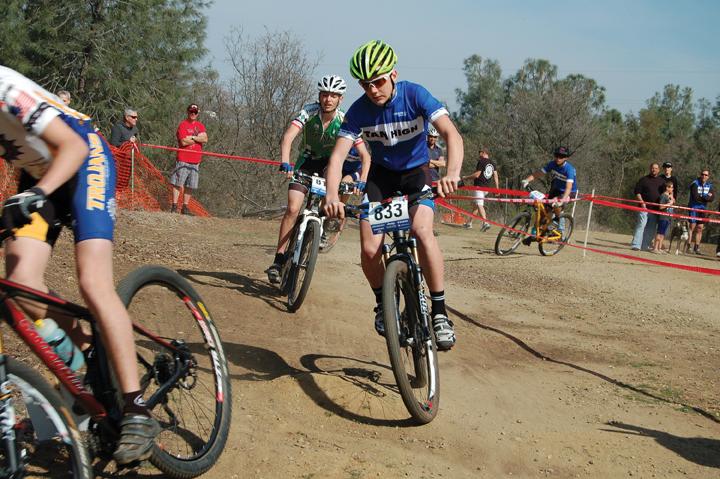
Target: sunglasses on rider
(379, 82)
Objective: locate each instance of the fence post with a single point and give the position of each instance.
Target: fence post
(505, 212)
(587, 228)
(574, 203)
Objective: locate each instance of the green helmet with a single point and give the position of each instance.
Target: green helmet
(372, 59)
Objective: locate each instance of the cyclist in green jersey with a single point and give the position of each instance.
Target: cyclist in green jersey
(319, 124)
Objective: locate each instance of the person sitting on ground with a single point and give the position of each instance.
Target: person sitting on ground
(667, 199)
(485, 169)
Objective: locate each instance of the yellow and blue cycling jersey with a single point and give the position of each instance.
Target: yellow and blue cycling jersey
(87, 201)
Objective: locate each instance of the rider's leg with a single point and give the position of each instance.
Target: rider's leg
(373, 268)
(95, 279)
(26, 261)
(371, 255)
(295, 203)
(431, 260)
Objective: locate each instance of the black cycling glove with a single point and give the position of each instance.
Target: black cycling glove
(17, 209)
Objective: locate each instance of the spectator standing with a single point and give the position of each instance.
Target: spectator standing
(666, 201)
(702, 192)
(126, 130)
(191, 136)
(435, 154)
(648, 190)
(667, 174)
(64, 95)
(485, 170)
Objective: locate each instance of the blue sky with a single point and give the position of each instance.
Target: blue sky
(632, 48)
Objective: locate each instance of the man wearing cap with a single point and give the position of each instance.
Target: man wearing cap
(191, 136)
(667, 175)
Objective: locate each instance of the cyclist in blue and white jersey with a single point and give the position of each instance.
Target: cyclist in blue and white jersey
(393, 118)
(562, 179)
(68, 178)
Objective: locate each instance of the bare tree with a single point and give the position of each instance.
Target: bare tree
(271, 81)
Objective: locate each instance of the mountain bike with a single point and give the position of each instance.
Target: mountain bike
(409, 334)
(535, 224)
(305, 240)
(183, 376)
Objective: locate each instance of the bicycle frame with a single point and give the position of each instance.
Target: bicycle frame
(13, 315)
(541, 220)
(406, 250)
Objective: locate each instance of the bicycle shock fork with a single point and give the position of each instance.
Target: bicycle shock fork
(7, 421)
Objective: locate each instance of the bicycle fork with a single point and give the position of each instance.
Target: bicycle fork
(7, 422)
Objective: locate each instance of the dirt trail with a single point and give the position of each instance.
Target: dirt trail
(564, 367)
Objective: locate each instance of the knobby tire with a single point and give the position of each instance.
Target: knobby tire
(414, 366)
(302, 273)
(508, 240)
(165, 303)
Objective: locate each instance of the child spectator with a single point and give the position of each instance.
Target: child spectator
(667, 199)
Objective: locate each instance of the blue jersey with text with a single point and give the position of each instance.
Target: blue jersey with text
(560, 175)
(396, 131)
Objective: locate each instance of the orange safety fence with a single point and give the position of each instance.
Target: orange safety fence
(140, 185)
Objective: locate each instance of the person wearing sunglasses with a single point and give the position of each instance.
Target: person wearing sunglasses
(318, 124)
(393, 117)
(702, 192)
(126, 130)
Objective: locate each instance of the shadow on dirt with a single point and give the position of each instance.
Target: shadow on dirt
(366, 376)
(244, 284)
(604, 377)
(261, 364)
(700, 450)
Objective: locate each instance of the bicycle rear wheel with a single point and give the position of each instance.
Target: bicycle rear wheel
(44, 429)
(195, 410)
(549, 248)
(508, 240)
(410, 343)
(301, 273)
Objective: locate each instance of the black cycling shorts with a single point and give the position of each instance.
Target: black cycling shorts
(383, 183)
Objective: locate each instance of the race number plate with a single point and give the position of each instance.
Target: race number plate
(537, 195)
(317, 187)
(390, 216)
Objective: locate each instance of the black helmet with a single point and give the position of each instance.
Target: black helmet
(562, 152)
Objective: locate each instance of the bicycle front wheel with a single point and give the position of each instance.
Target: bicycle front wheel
(410, 344)
(508, 240)
(187, 388)
(45, 432)
(302, 273)
(566, 224)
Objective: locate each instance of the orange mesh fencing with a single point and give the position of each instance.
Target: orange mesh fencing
(140, 185)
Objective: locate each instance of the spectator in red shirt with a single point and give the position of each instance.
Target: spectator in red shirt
(191, 136)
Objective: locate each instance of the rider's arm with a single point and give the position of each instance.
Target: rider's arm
(568, 190)
(497, 180)
(286, 142)
(71, 151)
(454, 142)
(365, 159)
(333, 175)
